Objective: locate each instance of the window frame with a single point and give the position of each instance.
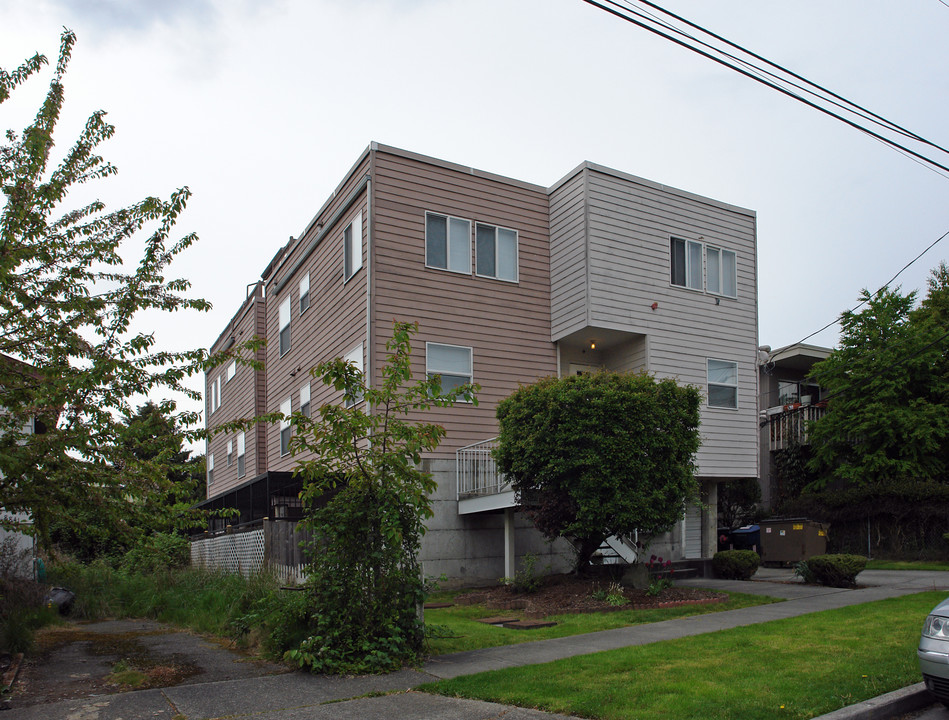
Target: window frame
(355, 356)
(429, 370)
(230, 452)
(286, 408)
(710, 384)
(210, 469)
(448, 244)
(304, 287)
(231, 371)
(497, 234)
(352, 247)
(722, 252)
(241, 448)
(215, 394)
(305, 400)
(687, 259)
(283, 325)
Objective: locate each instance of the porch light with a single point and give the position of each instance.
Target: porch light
(593, 344)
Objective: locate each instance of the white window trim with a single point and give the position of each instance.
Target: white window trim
(448, 219)
(708, 384)
(687, 264)
(210, 469)
(434, 371)
(355, 356)
(216, 393)
(353, 248)
(304, 293)
(305, 398)
(231, 371)
(285, 409)
(241, 446)
(230, 452)
(517, 252)
(283, 324)
(721, 271)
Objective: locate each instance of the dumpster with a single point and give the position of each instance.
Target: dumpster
(743, 538)
(792, 540)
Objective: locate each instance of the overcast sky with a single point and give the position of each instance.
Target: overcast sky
(261, 107)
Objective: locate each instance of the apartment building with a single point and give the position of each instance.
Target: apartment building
(509, 282)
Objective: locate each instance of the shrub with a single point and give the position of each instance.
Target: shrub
(736, 564)
(21, 599)
(525, 580)
(158, 551)
(836, 570)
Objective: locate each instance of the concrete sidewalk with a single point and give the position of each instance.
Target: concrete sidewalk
(297, 696)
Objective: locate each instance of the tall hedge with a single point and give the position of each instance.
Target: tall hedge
(603, 454)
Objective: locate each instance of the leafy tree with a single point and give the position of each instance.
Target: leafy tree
(737, 502)
(71, 358)
(591, 456)
(365, 502)
(887, 419)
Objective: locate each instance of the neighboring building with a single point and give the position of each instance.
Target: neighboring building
(509, 282)
(789, 400)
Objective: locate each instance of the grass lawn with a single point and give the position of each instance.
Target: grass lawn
(793, 668)
(456, 629)
(907, 565)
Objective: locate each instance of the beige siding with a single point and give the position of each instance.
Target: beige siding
(335, 322)
(242, 397)
(568, 255)
(630, 225)
(506, 324)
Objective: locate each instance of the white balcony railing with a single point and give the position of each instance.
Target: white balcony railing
(790, 426)
(477, 471)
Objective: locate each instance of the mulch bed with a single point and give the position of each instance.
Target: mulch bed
(563, 594)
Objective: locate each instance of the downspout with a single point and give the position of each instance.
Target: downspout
(368, 376)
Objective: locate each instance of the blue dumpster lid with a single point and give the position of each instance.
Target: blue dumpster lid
(746, 530)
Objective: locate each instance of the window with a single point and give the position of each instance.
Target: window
(352, 247)
(722, 384)
(216, 393)
(285, 428)
(230, 452)
(304, 293)
(231, 370)
(721, 272)
(496, 252)
(284, 327)
(448, 243)
(451, 362)
(354, 356)
(791, 391)
(305, 400)
(240, 455)
(686, 263)
(210, 468)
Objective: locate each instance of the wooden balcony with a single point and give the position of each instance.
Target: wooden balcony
(789, 425)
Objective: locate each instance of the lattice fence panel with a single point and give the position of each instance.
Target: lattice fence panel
(235, 552)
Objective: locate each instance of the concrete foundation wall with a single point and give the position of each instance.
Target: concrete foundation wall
(469, 549)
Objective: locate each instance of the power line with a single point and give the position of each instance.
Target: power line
(773, 85)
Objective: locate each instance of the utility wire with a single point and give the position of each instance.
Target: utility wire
(765, 82)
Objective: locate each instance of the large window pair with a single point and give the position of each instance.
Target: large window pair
(720, 267)
(448, 247)
(240, 454)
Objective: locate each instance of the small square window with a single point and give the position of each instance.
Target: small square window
(284, 327)
(496, 252)
(448, 243)
(451, 362)
(722, 384)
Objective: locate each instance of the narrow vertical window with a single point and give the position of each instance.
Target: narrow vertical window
(231, 370)
(240, 455)
(720, 270)
(352, 247)
(496, 252)
(685, 262)
(448, 243)
(216, 393)
(210, 468)
(304, 293)
(230, 452)
(354, 356)
(722, 384)
(285, 427)
(305, 400)
(284, 327)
